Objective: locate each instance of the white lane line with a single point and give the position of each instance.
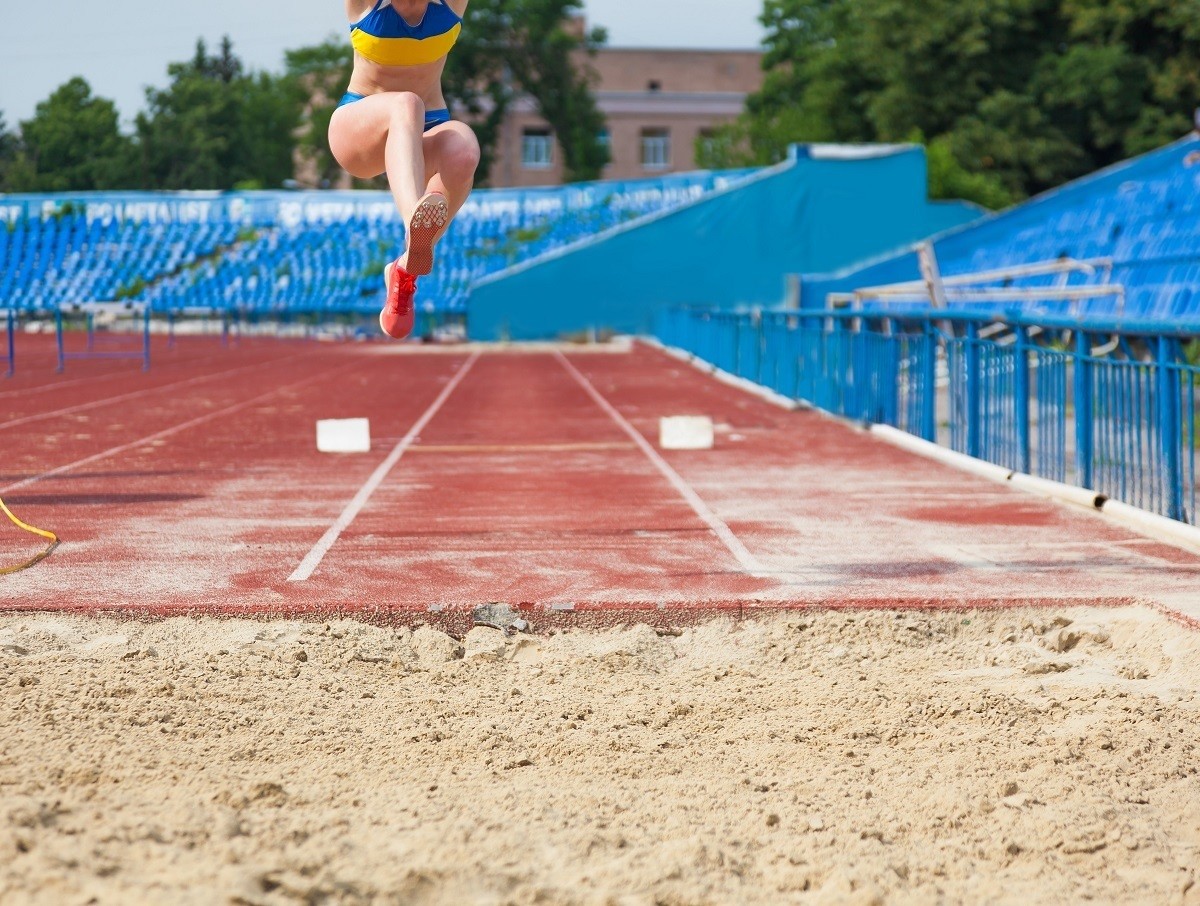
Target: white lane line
(110, 400)
(743, 556)
(150, 438)
(310, 563)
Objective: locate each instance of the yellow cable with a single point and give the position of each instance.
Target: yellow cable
(50, 536)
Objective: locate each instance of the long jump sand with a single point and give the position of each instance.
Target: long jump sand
(1005, 756)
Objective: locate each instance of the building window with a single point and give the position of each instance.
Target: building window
(656, 149)
(537, 149)
(654, 85)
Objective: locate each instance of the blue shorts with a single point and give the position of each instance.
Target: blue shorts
(432, 117)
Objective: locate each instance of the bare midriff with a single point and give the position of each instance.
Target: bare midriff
(424, 81)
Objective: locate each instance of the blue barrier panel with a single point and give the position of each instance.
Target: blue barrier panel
(1124, 392)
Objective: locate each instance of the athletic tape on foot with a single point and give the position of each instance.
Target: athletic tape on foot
(24, 526)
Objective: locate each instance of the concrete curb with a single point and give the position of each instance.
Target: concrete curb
(1169, 531)
(1160, 527)
(1056, 490)
(917, 445)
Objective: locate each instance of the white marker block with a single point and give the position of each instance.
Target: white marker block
(345, 435)
(685, 432)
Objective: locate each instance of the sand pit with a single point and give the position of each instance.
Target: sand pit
(1019, 756)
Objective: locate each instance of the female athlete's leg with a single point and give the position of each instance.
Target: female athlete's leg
(382, 134)
(451, 158)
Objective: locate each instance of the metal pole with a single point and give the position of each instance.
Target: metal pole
(58, 320)
(974, 378)
(12, 347)
(146, 338)
(1084, 428)
(890, 384)
(1169, 426)
(929, 383)
(1021, 398)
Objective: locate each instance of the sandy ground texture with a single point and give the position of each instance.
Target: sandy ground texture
(1017, 756)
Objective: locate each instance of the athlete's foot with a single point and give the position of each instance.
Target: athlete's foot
(396, 319)
(428, 222)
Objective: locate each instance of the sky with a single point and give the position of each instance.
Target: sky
(120, 46)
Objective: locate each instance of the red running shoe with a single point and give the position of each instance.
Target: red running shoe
(396, 319)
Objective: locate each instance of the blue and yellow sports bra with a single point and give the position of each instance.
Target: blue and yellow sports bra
(382, 36)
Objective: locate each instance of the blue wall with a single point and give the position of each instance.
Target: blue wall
(826, 208)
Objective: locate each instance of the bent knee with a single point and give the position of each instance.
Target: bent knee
(407, 109)
(462, 157)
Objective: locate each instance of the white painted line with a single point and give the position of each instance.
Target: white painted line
(310, 563)
(711, 519)
(110, 400)
(141, 442)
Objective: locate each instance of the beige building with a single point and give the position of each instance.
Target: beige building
(657, 104)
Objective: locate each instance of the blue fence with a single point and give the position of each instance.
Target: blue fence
(1108, 406)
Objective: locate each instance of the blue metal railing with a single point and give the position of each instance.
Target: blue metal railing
(1110, 406)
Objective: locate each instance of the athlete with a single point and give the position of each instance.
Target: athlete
(393, 119)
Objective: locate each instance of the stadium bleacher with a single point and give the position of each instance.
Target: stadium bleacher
(271, 255)
(68, 259)
(1134, 227)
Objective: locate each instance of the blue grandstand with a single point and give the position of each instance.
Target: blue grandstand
(284, 254)
(1124, 242)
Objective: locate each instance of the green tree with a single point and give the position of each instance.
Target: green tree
(269, 116)
(9, 144)
(215, 126)
(1025, 94)
(545, 55)
(532, 47)
(72, 143)
(319, 75)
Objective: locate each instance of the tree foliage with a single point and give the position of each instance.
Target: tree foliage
(319, 74)
(532, 47)
(9, 143)
(72, 142)
(217, 127)
(1015, 96)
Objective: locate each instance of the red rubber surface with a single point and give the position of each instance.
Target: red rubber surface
(198, 486)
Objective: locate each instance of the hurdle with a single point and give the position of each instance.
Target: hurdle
(109, 312)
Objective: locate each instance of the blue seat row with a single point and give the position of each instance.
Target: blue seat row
(312, 266)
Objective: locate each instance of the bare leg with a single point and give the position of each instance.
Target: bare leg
(451, 158)
(382, 134)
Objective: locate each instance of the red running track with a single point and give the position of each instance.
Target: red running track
(525, 476)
